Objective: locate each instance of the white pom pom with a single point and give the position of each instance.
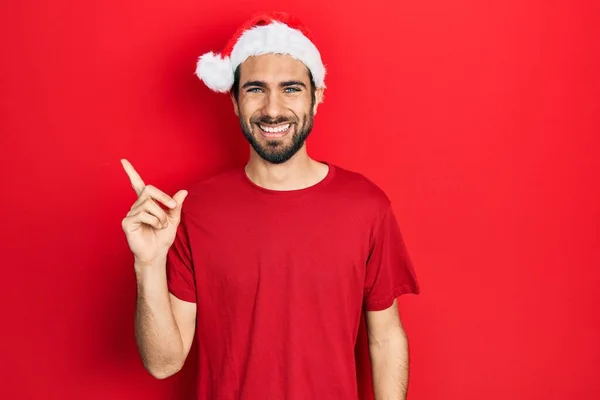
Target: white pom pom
(216, 72)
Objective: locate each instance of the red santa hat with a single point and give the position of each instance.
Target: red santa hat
(267, 33)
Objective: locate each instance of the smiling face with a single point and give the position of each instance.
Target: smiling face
(275, 101)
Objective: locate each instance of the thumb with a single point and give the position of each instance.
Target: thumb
(179, 197)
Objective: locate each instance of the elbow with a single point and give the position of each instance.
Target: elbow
(158, 374)
(162, 365)
(163, 372)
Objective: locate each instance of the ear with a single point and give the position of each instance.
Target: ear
(318, 99)
(236, 108)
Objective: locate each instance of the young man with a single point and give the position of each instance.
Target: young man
(272, 266)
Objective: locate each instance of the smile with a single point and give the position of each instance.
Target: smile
(274, 132)
(274, 129)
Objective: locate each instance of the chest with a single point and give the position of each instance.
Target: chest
(279, 254)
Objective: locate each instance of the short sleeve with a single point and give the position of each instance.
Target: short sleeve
(389, 271)
(180, 271)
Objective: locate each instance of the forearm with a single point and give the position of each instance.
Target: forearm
(389, 363)
(156, 331)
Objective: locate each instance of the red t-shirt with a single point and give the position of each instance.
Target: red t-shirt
(281, 280)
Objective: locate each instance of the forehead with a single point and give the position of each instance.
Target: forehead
(273, 68)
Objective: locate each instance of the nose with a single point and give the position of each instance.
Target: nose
(273, 104)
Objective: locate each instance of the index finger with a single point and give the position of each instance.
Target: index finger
(136, 180)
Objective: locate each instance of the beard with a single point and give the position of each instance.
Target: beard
(276, 151)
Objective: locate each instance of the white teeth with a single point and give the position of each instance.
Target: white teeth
(279, 129)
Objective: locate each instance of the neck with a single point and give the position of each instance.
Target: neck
(298, 172)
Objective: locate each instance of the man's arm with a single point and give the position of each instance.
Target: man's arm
(388, 350)
(164, 325)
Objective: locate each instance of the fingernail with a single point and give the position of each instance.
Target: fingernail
(172, 204)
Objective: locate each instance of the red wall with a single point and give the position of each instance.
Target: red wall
(480, 120)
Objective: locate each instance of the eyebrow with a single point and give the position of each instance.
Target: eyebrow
(263, 84)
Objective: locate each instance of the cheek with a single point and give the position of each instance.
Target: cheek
(299, 105)
(249, 107)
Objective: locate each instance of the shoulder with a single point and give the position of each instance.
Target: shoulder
(361, 188)
(214, 190)
(222, 180)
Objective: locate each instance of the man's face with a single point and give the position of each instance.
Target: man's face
(275, 105)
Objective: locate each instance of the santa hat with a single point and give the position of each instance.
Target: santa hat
(270, 33)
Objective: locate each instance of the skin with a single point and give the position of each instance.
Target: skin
(269, 100)
(273, 89)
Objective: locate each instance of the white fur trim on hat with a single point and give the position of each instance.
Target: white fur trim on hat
(275, 38)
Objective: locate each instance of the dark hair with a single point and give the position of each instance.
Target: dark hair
(235, 89)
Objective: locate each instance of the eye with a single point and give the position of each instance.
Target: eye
(291, 90)
(254, 90)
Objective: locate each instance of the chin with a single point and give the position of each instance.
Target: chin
(276, 150)
(274, 155)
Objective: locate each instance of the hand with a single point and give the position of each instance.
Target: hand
(149, 228)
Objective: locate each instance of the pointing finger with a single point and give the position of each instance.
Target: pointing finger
(136, 180)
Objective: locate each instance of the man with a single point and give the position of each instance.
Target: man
(271, 267)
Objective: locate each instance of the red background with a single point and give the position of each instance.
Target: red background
(480, 121)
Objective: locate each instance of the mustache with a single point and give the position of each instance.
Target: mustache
(265, 119)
